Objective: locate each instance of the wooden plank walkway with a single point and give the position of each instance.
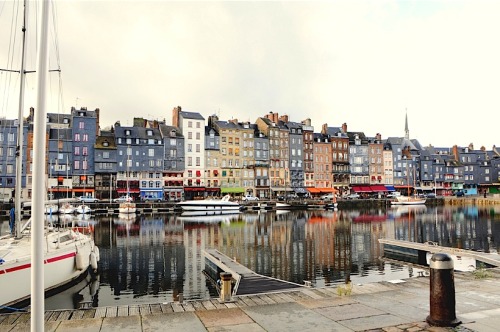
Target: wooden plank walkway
(247, 281)
(491, 259)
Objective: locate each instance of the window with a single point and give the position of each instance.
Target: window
(77, 150)
(10, 137)
(149, 133)
(105, 155)
(85, 137)
(190, 135)
(85, 151)
(173, 142)
(76, 164)
(77, 137)
(81, 125)
(151, 152)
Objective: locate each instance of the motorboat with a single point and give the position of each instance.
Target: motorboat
(408, 200)
(51, 209)
(82, 209)
(210, 205)
(67, 208)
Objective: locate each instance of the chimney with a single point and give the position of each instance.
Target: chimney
(272, 116)
(378, 138)
(324, 128)
(97, 116)
(344, 128)
(284, 118)
(175, 116)
(454, 151)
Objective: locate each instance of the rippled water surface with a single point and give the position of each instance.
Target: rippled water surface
(154, 258)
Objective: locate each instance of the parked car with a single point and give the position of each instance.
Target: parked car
(430, 195)
(151, 198)
(327, 197)
(88, 199)
(123, 199)
(353, 196)
(394, 194)
(460, 193)
(248, 198)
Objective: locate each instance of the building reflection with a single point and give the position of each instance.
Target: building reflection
(156, 258)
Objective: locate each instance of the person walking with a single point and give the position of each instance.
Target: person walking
(12, 221)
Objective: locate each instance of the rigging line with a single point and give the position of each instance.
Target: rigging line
(10, 53)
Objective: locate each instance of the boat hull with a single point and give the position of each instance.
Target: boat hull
(210, 205)
(60, 263)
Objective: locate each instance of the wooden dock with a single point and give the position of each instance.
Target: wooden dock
(487, 258)
(246, 280)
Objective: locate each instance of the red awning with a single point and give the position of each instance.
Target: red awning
(378, 188)
(194, 188)
(362, 189)
(314, 190)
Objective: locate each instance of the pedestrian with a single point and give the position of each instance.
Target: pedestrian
(12, 221)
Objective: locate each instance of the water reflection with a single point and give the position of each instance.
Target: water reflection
(154, 258)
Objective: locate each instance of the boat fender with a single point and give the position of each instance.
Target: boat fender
(93, 261)
(97, 255)
(80, 261)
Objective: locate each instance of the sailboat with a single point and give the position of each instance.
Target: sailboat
(409, 199)
(83, 208)
(59, 255)
(67, 207)
(128, 206)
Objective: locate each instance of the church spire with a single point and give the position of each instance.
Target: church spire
(407, 131)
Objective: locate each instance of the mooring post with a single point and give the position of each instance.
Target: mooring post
(442, 292)
(225, 289)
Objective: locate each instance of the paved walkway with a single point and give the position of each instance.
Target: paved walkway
(400, 305)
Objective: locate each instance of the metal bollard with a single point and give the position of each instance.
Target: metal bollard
(225, 290)
(442, 292)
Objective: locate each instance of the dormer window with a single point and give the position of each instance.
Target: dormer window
(105, 143)
(127, 132)
(149, 132)
(173, 133)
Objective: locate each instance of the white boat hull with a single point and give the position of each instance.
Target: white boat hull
(65, 248)
(83, 209)
(126, 208)
(406, 200)
(210, 205)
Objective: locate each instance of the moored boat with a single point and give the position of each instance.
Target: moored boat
(67, 256)
(127, 207)
(408, 200)
(210, 205)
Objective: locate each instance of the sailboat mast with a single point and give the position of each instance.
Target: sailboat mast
(20, 128)
(39, 192)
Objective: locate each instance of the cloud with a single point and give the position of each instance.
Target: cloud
(364, 63)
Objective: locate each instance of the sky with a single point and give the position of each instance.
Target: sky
(364, 63)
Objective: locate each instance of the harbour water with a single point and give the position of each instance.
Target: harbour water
(155, 258)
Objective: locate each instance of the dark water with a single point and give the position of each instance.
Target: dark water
(154, 258)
